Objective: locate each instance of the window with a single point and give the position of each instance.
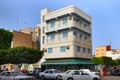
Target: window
(76, 73)
(43, 40)
(62, 48)
(52, 23)
(85, 38)
(52, 37)
(64, 34)
(88, 50)
(80, 36)
(80, 23)
(43, 30)
(64, 20)
(85, 25)
(84, 73)
(67, 72)
(78, 48)
(46, 71)
(43, 19)
(84, 50)
(50, 50)
(75, 33)
(51, 72)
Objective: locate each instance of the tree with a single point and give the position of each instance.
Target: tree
(96, 60)
(106, 60)
(102, 60)
(117, 61)
(3, 57)
(114, 63)
(5, 39)
(19, 55)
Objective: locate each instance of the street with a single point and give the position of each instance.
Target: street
(111, 78)
(107, 78)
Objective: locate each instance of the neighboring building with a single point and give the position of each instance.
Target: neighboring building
(27, 37)
(114, 54)
(22, 39)
(35, 35)
(101, 50)
(107, 51)
(66, 38)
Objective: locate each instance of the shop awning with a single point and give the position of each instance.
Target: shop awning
(67, 62)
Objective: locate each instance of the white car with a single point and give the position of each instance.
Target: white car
(77, 75)
(12, 75)
(49, 74)
(90, 72)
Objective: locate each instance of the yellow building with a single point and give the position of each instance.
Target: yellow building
(101, 50)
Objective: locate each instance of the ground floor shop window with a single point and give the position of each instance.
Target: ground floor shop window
(64, 68)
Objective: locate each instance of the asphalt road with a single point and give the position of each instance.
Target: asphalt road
(111, 78)
(107, 78)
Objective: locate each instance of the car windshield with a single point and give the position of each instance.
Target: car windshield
(56, 71)
(86, 70)
(67, 72)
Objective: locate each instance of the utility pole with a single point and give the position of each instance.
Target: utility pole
(25, 24)
(17, 23)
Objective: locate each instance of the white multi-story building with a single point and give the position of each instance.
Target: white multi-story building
(66, 37)
(114, 54)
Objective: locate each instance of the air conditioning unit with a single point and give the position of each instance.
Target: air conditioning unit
(68, 47)
(45, 50)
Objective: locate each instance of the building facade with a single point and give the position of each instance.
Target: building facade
(35, 33)
(66, 38)
(21, 39)
(107, 51)
(101, 50)
(114, 54)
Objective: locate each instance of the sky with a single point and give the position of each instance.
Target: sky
(19, 14)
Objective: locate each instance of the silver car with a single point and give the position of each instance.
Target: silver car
(50, 74)
(12, 75)
(77, 75)
(91, 72)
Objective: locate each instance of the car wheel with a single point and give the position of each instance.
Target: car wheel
(95, 78)
(70, 79)
(58, 77)
(43, 77)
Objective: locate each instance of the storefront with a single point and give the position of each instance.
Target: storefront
(66, 64)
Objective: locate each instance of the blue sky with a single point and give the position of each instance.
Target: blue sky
(105, 16)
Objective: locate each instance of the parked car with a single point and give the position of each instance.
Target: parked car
(90, 72)
(115, 72)
(12, 75)
(77, 75)
(49, 74)
(36, 72)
